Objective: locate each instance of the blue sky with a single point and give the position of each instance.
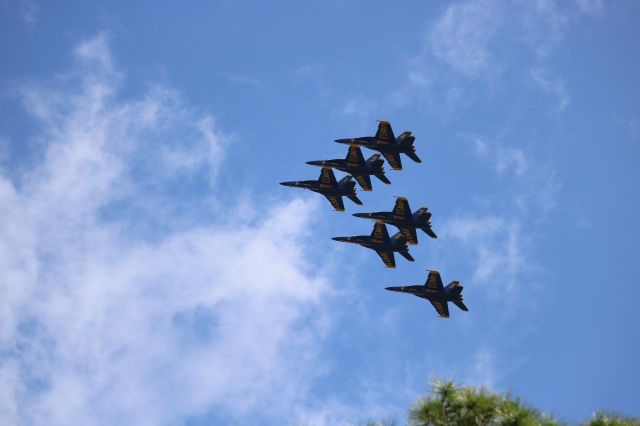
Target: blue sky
(154, 272)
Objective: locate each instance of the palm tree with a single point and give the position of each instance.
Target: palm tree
(604, 418)
(452, 405)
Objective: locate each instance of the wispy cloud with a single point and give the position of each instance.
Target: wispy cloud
(27, 10)
(543, 25)
(503, 158)
(591, 7)
(105, 320)
(356, 106)
(485, 45)
(461, 37)
(495, 246)
(554, 86)
(631, 126)
(244, 80)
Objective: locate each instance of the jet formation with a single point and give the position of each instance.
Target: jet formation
(401, 216)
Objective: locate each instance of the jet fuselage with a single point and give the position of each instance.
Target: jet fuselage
(413, 221)
(371, 142)
(421, 291)
(396, 245)
(367, 168)
(313, 185)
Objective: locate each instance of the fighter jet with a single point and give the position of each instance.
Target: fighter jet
(402, 218)
(386, 143)
(330, 188)
(434, 292)
(383, 245)
(355, 165)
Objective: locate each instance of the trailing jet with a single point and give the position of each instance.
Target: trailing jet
(383, 245)
(355, 165)
(402, 218)
(386, 143)
(435, 293)
(330, 188)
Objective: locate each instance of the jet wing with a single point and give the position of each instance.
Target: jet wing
(410, 235)
(393, 158)
(384, 135)
(364, 181)
(336, 202)
(380, 232)
(327, 177)
(434, 282)
(388, 258)
(441, 307)
(402, 208)
(355, 155)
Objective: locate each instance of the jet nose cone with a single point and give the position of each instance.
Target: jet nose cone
(393, 288)
(347, 141)
(315, 163)
(287, 183)
(365, 215)
(341, 239)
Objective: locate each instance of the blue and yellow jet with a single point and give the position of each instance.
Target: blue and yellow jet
(402, 218)
(383, 245)
(330, 188)
(387, 144)
(355, 165)
(436, 293)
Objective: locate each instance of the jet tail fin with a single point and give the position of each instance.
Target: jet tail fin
(383, 178)
(345, 179)
(404, 137)
(461, 305)
(406, 255)
(373, 158)
(422, 212)
(455, 287)
(355, 199)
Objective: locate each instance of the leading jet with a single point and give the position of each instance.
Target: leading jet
(355, 165)
(330, 188)
(386, 143)
(434, 292)
(402, 218)
(383, 245)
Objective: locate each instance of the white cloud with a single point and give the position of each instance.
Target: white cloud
(243, 80)
(462, 36)
(472, 36)
(542, 25)
(356, 106)
(483, 370)
(477, 48)
(28, 11)
(502, 158)
(631, 125)
(118, 308)
(496, 249)
(553, 86)
(590, 7)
